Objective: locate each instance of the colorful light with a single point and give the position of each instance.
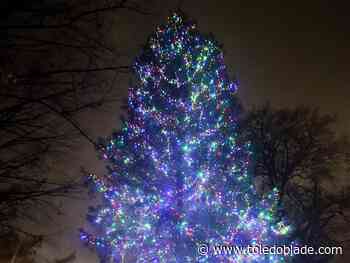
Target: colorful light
(177, 177)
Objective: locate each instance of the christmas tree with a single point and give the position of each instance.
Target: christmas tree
(177, 176)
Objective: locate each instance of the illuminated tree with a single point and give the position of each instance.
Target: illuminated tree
(177, 177)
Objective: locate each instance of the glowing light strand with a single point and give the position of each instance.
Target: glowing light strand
(177, 175)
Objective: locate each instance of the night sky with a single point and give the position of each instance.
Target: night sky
(290, 54)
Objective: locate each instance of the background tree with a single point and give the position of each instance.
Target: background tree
(56, 61)
(297, 151)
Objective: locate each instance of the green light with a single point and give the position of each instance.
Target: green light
(186, 148)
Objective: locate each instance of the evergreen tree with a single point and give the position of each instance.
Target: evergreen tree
(177, 177)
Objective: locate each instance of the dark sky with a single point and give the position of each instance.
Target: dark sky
(296, 53)
(285, 52)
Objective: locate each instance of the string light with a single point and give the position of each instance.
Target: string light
(177, 176)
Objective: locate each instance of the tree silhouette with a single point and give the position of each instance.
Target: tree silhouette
(298, 151)
(56, 62)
